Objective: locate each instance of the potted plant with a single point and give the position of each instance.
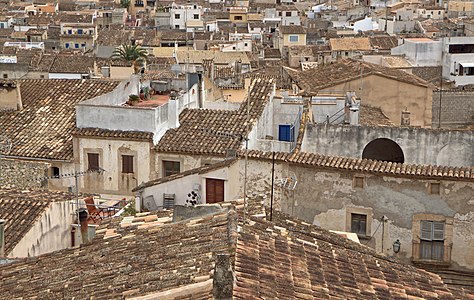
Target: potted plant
(133, 99)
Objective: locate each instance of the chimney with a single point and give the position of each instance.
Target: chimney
(173, 110)
(223, 282)
(10, 96)
(405, 121)
(82, 212)
(2, 238)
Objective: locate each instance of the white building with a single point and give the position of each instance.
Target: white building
(181, 14)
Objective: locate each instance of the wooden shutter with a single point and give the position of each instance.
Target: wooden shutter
(93, 161)
(214, 190)
(438, 231)
(127, 164)
(426, 230)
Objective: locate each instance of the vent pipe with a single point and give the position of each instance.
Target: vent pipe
(83, 223)
(2, 237)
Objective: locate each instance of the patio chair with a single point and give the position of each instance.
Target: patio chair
(94, 212)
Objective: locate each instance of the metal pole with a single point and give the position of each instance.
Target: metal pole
(273, 180)
(246, 162)
(76, 176)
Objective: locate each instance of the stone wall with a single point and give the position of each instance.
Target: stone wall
(22, 174)
(419, 145)
(327, 198)
(457, 108)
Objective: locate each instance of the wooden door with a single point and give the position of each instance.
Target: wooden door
(214, 190)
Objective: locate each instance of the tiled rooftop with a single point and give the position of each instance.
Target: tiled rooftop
(350, 44)
(368, 165)
(21, 209)
(128, 257)
(321, 77)
(113, 134)
(43, 128)
(290, 259)
(206, 131)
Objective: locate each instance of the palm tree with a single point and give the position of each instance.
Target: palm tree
(133, 54)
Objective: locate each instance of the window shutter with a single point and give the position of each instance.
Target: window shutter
(426, 230)
(438, 231)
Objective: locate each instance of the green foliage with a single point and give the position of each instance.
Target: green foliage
(125, 3)
(133, 97)
(133, 54)
(129, 210)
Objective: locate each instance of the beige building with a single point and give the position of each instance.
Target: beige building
(80, 36)
(291, 35)
(238, 15)
(389, 89)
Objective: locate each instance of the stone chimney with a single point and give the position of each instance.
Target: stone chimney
(2, 238)
(84, 226)
(10, 96)
(223, 281)
(405, 120)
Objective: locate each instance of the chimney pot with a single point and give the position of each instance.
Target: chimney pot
(82, 212)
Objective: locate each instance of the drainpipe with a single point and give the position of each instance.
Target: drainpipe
(82, 212)
(2, 238)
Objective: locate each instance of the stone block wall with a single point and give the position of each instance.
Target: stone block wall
(457, 108)
(22, 174)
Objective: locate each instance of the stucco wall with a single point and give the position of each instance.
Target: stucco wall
(110, 151)
(457, 108)
(420, 146)
(15, 173)
(325, 198)
(50, 233)
(392, 97)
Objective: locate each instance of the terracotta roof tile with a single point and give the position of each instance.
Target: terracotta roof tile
(114, 134)
(367, 165)
(321, 77)
(43, 128)
(206, 131)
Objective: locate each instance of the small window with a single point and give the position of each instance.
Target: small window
(66, 45)
(176, 26)
(54, 172)
(127, 163)
(358, 182)
(294, 38)
(196, 17)
(93, 161)
(170, 168)
(435, 188)
(79, 31)
(76, 46)
(246, 44)
(83, 45)
(432, 240)
(288, 13)
(42, 76)
(177, 16)
(237, 18)
(5, 76)
(359, 224)
(69, 31)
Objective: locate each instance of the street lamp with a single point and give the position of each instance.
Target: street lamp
(396, 246)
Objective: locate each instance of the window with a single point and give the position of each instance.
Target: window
(294, 38)
(176, 26)
(246, 44)
(127, 163)
(69, 31)
(286, 133)
(177, 16)
(83, 45)
(54, 171)
(5, 76)
(79, 31)
(93, 161)
(435, 188)
(196, 17)
(288, 13)
(237, 18)
(358, 182)
(214, 190)
(432, 240)
(66, 45)
(42, 76)
(76, 45)
(170, 168)
(359, 224)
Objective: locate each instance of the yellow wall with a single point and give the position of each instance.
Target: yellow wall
(460, 6)
(233, 15)
(392, 97)
(301, 40)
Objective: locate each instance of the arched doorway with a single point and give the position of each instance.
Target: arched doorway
(384, 149)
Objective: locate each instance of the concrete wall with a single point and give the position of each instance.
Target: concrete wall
(421, 54)
(113, 181)
(326, 198)
(420, 146)
(64, 76)
(457, 108)
(50, 233)
(392, 97)
(181, 187)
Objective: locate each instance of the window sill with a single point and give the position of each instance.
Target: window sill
(430, 262)
(363, 237)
